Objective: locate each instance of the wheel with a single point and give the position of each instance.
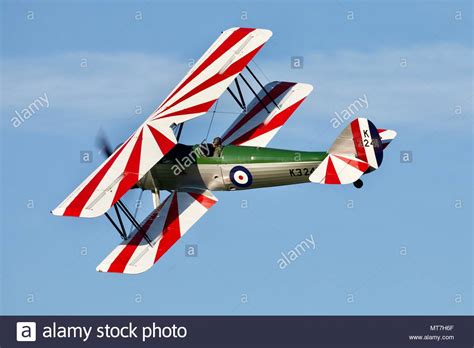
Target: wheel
(358, 184)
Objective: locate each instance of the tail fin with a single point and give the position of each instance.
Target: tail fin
(357, 150)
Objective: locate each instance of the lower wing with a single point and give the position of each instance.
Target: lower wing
(265, 115)
(163, 227)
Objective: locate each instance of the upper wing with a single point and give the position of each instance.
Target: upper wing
(257, 126)
(164, 226)
(212, 74)
(193, 96)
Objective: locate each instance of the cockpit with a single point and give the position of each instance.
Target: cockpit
(213, 149)
(182, 153)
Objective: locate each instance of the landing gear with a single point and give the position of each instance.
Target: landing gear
(358, 184)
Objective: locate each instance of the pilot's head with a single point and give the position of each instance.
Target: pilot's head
(217, 141)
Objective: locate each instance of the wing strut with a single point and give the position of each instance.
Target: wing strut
(120, 231)
(180, 129)
(239, 103)
(255, 94)
(240, 94)
(127, 213)
(130, 217)
(261, 86)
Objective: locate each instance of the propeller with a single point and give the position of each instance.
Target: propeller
(103, 143)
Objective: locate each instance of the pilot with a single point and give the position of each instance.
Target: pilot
(217, 145)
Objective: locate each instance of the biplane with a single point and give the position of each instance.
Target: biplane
(153, 159)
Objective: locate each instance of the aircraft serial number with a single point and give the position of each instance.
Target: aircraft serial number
(301, 171)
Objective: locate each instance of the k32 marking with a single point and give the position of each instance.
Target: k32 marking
(301, 171)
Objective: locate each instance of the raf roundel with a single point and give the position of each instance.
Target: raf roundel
(240, 176)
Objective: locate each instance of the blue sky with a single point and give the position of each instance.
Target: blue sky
(404, 248)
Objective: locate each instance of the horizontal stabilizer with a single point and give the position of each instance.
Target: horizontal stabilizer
(339, 169)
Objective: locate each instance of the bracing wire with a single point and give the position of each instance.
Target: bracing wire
(224, 112)
(212, 119)
(261, 71)
(138, 204)
(228, 112)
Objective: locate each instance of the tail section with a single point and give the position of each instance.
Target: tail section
(357, 150)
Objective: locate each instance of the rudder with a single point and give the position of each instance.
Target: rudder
(362, 140)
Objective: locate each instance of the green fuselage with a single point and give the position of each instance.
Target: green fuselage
(238, 168)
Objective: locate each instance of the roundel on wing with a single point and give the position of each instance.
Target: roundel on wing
(240, 176)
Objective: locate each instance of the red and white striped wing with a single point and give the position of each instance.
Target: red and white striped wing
(212, 74)
(130, 161)
(339, 169)
(164, 226)
(193, 96)
(257, 126)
